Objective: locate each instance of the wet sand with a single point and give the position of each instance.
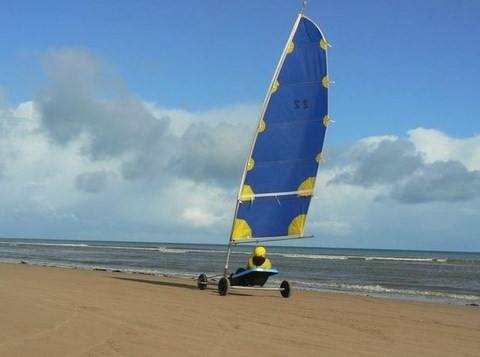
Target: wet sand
(67, 312)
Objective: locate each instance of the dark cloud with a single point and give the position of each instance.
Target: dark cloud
(389, 162)
(396, 164)
(92, 182)
(440, 181)
(85, 98)
(9, 126)
(213, 154)
(3, 142)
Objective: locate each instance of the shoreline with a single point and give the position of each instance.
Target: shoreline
(422, 299)
(48, 311)
(446, 278)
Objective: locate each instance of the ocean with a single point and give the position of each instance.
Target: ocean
(430, 276)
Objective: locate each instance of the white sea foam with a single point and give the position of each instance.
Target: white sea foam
(379, 290)
(311, 256)
(404, 259)
(44, 244)
(359, 257)
(125, 248)
(172, 251)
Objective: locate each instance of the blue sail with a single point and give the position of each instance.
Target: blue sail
(280, 172)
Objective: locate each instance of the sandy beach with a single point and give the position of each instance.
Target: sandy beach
(67, 312)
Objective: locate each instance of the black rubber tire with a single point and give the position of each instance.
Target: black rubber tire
(202, 281)
(286, 289)
(223, 286)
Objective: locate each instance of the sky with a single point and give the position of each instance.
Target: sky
(131, 120)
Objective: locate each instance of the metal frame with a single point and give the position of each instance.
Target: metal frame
(224, 285)
(239, 287)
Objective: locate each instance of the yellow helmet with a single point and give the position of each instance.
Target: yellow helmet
(259, 252)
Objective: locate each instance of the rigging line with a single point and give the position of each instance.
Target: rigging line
(304, 4)
(278, 201)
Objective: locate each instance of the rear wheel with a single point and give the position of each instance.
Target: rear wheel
(202, 281)
(286, 290)
(223, 286)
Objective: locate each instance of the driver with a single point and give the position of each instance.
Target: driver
(259, 259)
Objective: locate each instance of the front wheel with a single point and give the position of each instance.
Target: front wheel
(285, 289)
(202, 282)
(223, 286)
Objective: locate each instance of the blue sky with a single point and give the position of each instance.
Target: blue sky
(117, 118)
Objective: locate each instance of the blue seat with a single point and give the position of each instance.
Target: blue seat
(251, 277)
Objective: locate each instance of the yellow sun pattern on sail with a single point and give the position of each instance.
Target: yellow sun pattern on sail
(325, 82)
(251, 164)
(297, 225)
(275, 86)
(323, 44)
(290, 47)
(306, 187)
(247, 193)
(241, 229)
(326, 120)
(261, 126)
(319, 157)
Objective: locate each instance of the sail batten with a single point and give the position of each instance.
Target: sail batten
(247, 197)
(279, 177)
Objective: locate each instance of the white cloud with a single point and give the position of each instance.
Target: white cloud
(85, 160)
(437, 146)
(340, 210)
(60, 184)
(199, 217)
(37, 175)
(389, 192)
(329, 226)
(181, 119)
